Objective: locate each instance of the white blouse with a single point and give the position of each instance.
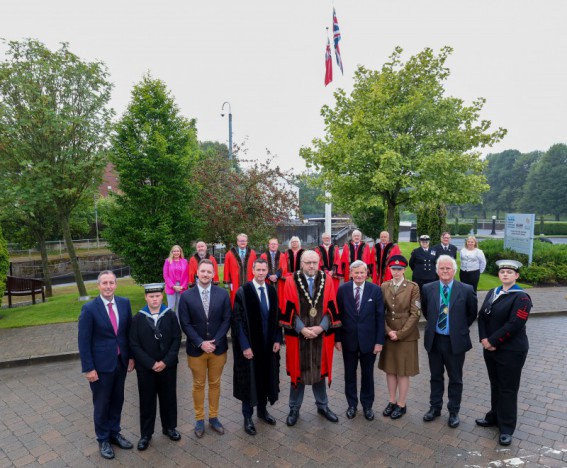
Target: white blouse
(472, 260)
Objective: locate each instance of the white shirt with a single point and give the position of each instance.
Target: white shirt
(114, 308)
(258, 286)
(201, 289)
(472, 260)
(354, 286)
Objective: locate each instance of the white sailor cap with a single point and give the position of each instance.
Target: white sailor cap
(153, 287)
(509, 265)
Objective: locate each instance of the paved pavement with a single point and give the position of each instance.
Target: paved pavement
(46, 416)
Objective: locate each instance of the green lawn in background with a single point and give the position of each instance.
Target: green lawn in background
(64, 306)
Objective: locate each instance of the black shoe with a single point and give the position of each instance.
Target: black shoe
(483, 422)
(398, 412)
(119, 440)
(106, 450)
(505, 439)
(173, 434)
(454, 420)
(143, 443)
(267, 417)
(249, 427)
(292, 417)
(329, 415)
(388, 410)
(369, 414)
(431, 414)
(351, 412)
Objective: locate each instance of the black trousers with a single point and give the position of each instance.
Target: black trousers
(108, 398)
(151, 386)
(441, 358)
(367, 360)
(248, 409)
(470, 277)
(504, 371)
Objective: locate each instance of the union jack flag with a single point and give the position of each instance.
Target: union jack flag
(336, 39)
(328, 64)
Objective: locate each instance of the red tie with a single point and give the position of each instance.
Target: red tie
(112, 317)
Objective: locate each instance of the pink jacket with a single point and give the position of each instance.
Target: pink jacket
(174, 272)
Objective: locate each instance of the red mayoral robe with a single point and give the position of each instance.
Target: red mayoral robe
(236, 271)
(329, 260)
(350, 254)
(309, 361)
(194, 264)
(281, 267)
(380, 257)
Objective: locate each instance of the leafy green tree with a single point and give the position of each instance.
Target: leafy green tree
(54, 124)
(154, 151)
(544, 190)
(310, 195)
(431, 221)
(399, 140)
(370, 220)
(4, 263)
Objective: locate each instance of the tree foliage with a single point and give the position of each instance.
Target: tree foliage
(253, 200)
(398, 139)
(154, 150)
(54, 124)
(4, 263)
(370, 220)
(310, 195)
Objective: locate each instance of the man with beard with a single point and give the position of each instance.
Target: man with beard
(199, 255)
(238, 265)
(309, 319)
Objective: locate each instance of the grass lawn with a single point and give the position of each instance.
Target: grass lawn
(64, 306)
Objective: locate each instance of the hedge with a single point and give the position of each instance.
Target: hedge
(551, 229)
(460, 229)
(549, 262)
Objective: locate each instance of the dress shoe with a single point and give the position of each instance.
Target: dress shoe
(398, 412)
(267, 417)
(483, 422)
(292, 417)
(351, 412)
(431, 414)
(369, 414)
(200, 428)
(143, 443)
(454, 420)
(106, 450)
(505, 439)
(122, 442)
(216, 425)
(328, 414)
(173, 434)
(388, 410)
(249, 427)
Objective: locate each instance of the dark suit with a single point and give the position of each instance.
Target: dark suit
(422, 262)
(448, 352)
(98, 348)
(360, 332)
(451, 250)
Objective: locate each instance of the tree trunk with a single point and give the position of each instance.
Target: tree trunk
(45, 266)
(557, 216)
(73, 257)
(391, 220)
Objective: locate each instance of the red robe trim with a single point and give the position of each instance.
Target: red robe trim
(329, 262)
(380, 258)
(282, 268)
(350, 254)
(194, 264)
(236, 272)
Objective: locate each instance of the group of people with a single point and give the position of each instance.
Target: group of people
(296, 295)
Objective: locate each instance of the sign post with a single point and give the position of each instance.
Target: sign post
(519, 233)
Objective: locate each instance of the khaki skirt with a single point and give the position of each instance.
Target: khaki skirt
(399, 358)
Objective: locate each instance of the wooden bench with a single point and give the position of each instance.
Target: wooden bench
(24, 287)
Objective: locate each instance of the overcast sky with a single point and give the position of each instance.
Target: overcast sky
(267, 58)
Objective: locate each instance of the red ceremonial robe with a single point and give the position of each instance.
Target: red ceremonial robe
(280, 269)
(308, 361)
(292, 261)
(380, 258)
(237, 272)
(329, 262)
(194, 264)
(350, 254)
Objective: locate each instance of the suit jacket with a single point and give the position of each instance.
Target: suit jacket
(362, 330)
(98, 344)
(197, 326)
(463, 309)
(451, 250)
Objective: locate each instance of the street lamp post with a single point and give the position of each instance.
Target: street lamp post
(493, 233)
(229, 128)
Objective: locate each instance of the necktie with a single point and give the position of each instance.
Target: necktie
(396, 286)
(206, 301)
(443, 316)
(357, 298)
(273, 260)
(310, 280)
(242, 253)
(114, 322)
(263, 301)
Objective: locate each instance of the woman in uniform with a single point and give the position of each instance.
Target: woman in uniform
(399, 358)
(502, 333)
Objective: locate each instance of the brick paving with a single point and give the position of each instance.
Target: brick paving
(46, 420)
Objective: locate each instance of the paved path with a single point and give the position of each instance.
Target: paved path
(21, 346)
(46, 420)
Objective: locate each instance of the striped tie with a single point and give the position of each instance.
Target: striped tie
(357, 298)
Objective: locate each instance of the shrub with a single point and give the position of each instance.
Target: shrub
(551, 229)
(459, 229)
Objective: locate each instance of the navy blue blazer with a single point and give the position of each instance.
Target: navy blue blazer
(198, 327)
(362, 330)
(98, 344)
(463, 307)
